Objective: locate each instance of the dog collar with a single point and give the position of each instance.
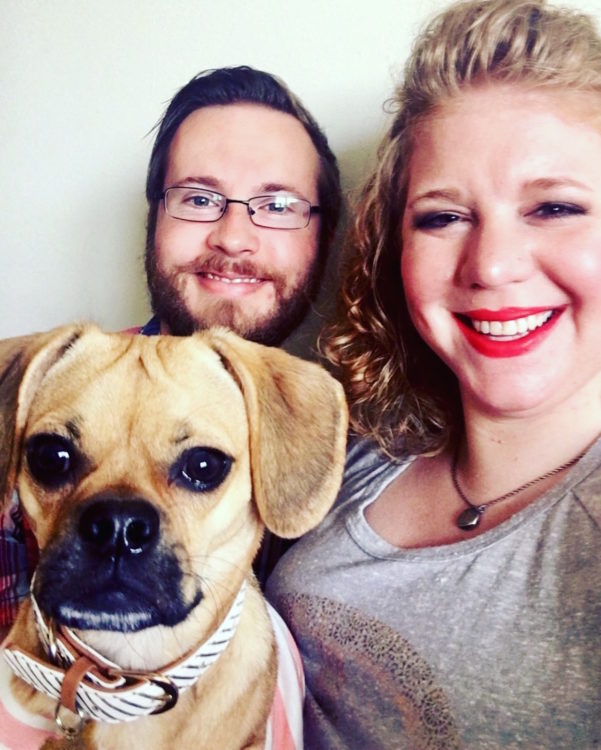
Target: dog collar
(86, 683)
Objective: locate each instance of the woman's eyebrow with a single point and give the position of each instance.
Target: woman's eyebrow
(449, 194)
(547, 183)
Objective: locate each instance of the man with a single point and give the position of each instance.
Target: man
(244, 198)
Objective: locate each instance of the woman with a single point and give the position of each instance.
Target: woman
(451, 599)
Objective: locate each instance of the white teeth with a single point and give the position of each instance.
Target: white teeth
(517, 327)
(226, 280)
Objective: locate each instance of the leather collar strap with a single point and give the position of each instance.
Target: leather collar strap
(83, 681)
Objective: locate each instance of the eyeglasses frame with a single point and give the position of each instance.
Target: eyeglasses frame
(312, 209)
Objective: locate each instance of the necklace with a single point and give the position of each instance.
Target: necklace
(470, 518)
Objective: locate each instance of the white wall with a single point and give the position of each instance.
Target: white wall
(82, 83)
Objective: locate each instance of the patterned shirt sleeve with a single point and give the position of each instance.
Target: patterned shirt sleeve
(17, 558)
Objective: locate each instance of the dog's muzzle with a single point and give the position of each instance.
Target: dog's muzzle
(84, 682)
(113, 568)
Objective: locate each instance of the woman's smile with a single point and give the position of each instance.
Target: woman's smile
(506, 333)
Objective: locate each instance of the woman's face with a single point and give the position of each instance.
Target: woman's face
(501, 234)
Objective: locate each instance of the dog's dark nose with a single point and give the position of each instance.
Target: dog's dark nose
(120, 527)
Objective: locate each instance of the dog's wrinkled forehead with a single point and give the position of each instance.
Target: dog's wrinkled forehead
(115, 384)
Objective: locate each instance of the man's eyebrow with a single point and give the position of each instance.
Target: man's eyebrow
(265, 188)
(204, 181)
(280, 187)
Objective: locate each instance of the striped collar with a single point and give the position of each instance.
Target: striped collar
(88, 685)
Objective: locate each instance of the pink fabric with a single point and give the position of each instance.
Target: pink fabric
(285, 724)
(19, 730)
(15, 734)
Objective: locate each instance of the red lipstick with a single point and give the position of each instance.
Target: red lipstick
(514, 347)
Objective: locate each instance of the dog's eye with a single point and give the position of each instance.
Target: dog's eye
(202, 469)
(51, 459)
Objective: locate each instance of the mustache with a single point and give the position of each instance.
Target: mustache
(217, 264)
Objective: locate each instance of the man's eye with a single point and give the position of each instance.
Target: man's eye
(198, 201)
(278, 205)
(436, 220)
(557, 210)
(277, 208)
(201, 469)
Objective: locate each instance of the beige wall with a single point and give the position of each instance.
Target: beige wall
(82, 83)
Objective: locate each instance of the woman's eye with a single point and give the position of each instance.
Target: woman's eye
(557, 210)
(436, 220)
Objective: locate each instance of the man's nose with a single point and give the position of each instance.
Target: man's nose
(496, 253)
(234, 233)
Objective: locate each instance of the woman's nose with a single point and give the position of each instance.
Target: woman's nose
(495, 254)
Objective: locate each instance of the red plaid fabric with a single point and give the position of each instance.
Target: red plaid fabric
(18, 557)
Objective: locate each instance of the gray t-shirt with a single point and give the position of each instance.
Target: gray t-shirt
(491, 642)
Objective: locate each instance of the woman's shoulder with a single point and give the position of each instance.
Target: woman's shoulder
(366, 467)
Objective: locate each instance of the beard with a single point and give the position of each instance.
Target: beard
(271, 327)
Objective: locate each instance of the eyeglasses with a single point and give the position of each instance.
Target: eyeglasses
(276, 211)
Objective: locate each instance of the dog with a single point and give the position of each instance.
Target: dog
(148, 469)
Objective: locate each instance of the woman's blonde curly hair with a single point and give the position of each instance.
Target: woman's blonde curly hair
(400, 393)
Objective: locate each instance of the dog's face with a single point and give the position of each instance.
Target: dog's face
(142, 511)
(147, 468)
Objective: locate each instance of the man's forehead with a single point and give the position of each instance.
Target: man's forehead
(243, 146)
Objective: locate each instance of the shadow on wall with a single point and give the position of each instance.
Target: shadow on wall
(355, 164)
(125, 304)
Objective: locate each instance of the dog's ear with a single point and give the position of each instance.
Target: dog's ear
(298, 421)
(23, 363)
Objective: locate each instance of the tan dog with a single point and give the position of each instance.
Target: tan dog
(148, 468)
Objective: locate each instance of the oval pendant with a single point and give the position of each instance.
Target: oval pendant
(469, 519)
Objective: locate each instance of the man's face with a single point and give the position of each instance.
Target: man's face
(257, 281)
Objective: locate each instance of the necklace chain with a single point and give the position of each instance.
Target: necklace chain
(470, 518)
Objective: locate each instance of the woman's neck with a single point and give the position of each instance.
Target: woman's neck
(499, 453)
